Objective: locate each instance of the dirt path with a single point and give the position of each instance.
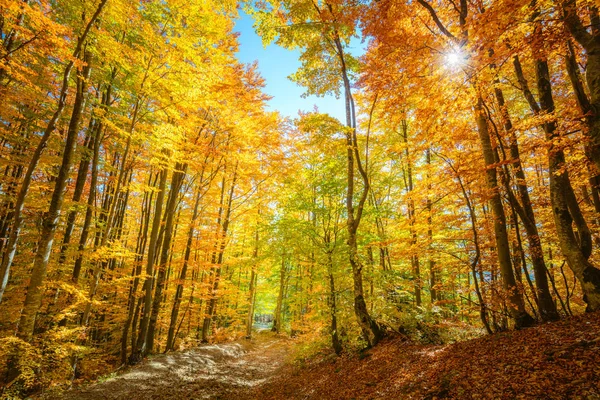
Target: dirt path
(219, 371)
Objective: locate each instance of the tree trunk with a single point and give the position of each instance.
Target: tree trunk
(137, 269)
(335, 338)
(33, 300)
(564, 205)
(252, 287)
(182, 275)
(371, 330)
(141, 346)
(516, 306)
(546, 304)
(218, 256)
(565, 208)
(176, 184)
(82, 172)
(432, 270)
(474, 263)
(590, 41)
(280, 294)
(410, 205)
(9, 254)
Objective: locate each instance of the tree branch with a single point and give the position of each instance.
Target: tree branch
(573, 23)
(437, 21)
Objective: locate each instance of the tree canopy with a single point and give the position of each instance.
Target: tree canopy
(152, 200)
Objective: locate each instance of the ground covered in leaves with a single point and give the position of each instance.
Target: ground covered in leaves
(558, 360)
(212, 371)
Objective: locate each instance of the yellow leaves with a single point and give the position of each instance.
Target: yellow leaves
(24, 357)
(111, 124)
(116, 250)
(323, 124)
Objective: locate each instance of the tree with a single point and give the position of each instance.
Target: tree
(325, 43)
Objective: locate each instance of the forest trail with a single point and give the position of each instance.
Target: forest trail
(211, 371)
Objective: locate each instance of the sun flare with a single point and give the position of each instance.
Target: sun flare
(455, 58)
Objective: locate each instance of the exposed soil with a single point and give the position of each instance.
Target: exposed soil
(212, 371)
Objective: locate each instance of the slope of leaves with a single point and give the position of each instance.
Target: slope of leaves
(552, 361)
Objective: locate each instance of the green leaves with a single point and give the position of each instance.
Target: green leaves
(311, 27)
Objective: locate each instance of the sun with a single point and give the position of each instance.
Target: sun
(455, 58)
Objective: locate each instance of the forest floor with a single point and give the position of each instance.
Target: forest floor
(212, 371)
(559, 360)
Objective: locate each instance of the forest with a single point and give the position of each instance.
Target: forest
(153, 200)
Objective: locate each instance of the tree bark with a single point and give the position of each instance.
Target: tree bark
(252, 287)
(372, 332)
(33, 299)
(223, 227)
(335, 338)
(546, 304)
(176, 184)
(414, 257)
(565, 208)
(433, 293)
(141, 346)
(82, 173)
(9, 254)
(280, 294)
(137, 269)
(182, 275)
(564, 205)
(590, 41)
(516, 306)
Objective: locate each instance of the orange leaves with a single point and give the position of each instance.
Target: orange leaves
(552, 361)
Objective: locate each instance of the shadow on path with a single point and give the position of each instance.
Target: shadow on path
(212, 371)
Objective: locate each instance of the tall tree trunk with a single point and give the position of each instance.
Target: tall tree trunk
(82, 173)
(182, 275)
(432, 269)
(516, 306)
(176, 184)
(85, 230)
(223, 227)
(280, 295)
(137, 268)
(590, 41)
(141, 345)
(372, 332)
(202, 188)
(9, 254)
(565, 208)
(33, 300)
(252, 286)
(333, 331)
(525, 211)
(564, 205)
(474, 263)
(410, 205)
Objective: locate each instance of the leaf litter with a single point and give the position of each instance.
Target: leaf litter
(559, 360)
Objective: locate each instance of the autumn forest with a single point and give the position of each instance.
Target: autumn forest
(153, 200)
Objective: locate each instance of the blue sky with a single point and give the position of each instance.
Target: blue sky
(276, 64)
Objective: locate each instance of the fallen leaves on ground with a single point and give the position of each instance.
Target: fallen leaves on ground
(211, 371)
(559, 360)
